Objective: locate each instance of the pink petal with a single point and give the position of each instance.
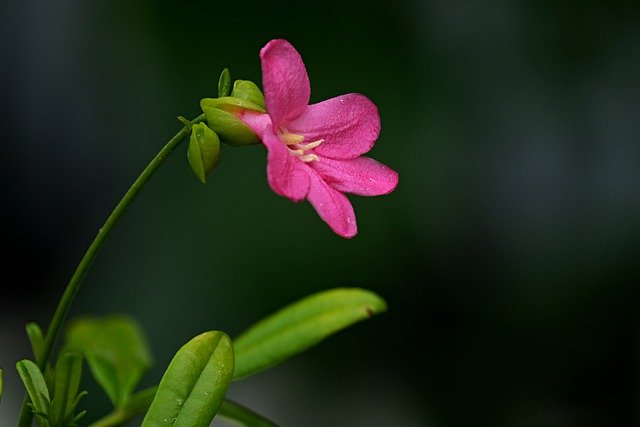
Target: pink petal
(332, 206)
(362, 175)
(287, 175)
(285, 81)
(256, 121)
(348, 124)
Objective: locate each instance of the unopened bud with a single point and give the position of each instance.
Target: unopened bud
(221, 117)
(246, 89)
(204, 152)
(224, 83)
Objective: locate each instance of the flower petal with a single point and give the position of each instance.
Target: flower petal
(332, 206)
(348, 124)
(285, 81)
(362, 175)
(256, 121)
(287, 175)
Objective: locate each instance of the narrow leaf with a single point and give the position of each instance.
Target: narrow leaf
(116, 352)
(36, 387)
(36, 338)
(301, 325)
(0, 384)
(243, 415)
(68, 373)
(195, 383)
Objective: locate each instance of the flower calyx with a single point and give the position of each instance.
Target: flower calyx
(204, 151)
(223, 113)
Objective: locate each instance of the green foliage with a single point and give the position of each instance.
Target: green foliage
(243, 415)
(67, 375)
(36, 338)
(59, 410)
(195, 383)
(116, 351)
(36, 388)
(301, 325)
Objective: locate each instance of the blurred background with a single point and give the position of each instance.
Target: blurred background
(509, 253)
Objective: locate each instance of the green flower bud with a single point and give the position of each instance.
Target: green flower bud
(221, 118)
(231, 104)
(245, 89)
(224, 83)
(204, 152)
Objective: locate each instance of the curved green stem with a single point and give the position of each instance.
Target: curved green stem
(85, 263)
(243, 415)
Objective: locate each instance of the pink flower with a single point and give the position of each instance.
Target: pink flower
(315, 151)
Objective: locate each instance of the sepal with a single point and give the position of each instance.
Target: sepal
(204, 152)
(248, 90)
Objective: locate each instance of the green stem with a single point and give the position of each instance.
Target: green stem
(139, 403)
(243, 415)
(85, 263)
(115, 418)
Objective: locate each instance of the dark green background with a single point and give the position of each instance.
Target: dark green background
(509, 253)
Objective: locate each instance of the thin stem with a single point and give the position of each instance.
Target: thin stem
(87, 259)
(115, 418)
(138, 403)
(243, 415)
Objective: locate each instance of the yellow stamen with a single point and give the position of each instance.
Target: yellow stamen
(311, 145)
(293, 142)
(308, 158)
(290, 138)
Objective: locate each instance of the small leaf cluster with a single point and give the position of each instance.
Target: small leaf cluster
(55, 393)
(193, 388)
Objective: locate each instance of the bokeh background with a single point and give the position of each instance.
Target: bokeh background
(509, 253)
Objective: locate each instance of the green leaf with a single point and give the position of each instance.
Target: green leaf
(195, 383)
(0, 384)
(36, 338)
(243, 415)
(301, 325)
(68, 373)
(224, 83)
(116, 351)
(36, 388)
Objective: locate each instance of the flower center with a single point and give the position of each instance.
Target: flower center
(294, 144)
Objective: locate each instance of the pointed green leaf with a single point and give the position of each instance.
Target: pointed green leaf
(68, 373)
(301, 325)
(36, 338)
(194, 384)
(224, 83)
(116, 352)
(36, 388)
